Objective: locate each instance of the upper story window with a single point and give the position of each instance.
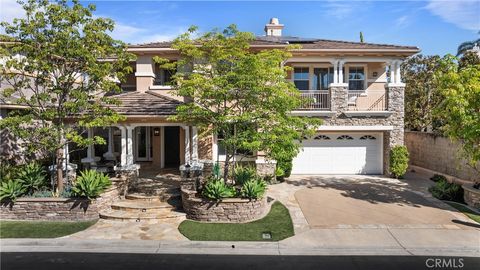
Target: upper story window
(301, 78)
(356, 78)
(163, 76)
(322, 78)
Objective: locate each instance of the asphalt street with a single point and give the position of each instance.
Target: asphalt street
(72, 261)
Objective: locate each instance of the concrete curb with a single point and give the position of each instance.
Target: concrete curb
(217, 248)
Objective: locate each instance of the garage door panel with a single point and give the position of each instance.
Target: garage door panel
(347, 156)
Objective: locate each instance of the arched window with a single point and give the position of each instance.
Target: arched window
(322, 137)
(345, 137)
(367, 137)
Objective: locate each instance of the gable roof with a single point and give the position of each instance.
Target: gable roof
(307, 44)
(145, 103)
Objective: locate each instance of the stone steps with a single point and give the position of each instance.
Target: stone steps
(155, 214)
(153, 198)
(144, 206)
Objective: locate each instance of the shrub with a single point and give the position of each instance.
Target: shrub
(242, 174)
(11, 190)
(7, 171)
(399, 161)
(216, 189)
(443, 190)
(90, 184)
(32, 176)
(253, 189)
(285, 166)
(438, 177)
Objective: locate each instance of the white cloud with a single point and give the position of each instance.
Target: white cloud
(402, 21)
(167, 36)
(10, 9)
(343, 9)
(462, 13)
(125, 32)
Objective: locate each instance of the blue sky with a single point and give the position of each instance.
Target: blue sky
(436, 26)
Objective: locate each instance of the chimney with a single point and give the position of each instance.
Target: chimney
(274, 28)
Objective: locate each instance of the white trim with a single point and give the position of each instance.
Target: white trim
(313, 113)
(145, 74)
(265, 161)
(152, 49)
(338, 85)
(354, 128)
(161, 87)
(396, 84)
(367, 113)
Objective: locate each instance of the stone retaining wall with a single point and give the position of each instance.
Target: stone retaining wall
(229, 210)
(471, 196)
(68, 209)
(438, 154)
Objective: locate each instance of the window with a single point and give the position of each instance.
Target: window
(345, 137)
(322, 137)
(322, 77)
(301, 78)
(356, 78)
(163, 76)
(367, 137)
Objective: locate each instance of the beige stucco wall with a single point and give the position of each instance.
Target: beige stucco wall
(156, 149)
(439, 154)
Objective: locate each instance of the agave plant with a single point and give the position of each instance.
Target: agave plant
(11, 190)
(254, 188)
(32, 176)
(244, 173)
(216, 189)
(90, 184)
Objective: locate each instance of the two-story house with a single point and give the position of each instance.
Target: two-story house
(355, 87)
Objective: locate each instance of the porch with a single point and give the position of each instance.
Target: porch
(154, 147)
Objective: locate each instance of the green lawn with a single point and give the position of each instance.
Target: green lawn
(278, 223)
(41, 229)
(466, 211)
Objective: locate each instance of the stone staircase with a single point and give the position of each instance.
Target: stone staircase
(150, 197)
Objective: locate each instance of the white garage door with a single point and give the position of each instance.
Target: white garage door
(340, 153)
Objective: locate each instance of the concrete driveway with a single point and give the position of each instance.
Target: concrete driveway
(372, 202)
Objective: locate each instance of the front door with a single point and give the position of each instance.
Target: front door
(143, 144)
(172, 147)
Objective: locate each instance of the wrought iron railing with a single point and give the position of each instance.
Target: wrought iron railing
(318, 100)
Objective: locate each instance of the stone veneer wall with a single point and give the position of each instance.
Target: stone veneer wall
(395, 104)
(229, 210)
(471, 196)
(66, 209)
(438, 154)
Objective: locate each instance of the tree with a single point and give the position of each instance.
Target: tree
(460, 108)
(361, 37)
(240, 94)
(467, 46)
(468, 59)
(422, 95)
(68, 63)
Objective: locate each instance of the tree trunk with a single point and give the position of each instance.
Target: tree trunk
(226, 167)
(59, 162)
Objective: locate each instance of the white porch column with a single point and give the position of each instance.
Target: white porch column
(187, 144)
(162, 147)
(109, 155)
(129, 145)
(66, 155)
(398, 78)
(123, 155)
(335, 72)
(340, 71)
(392, 71)
(90, 150)
(194, 143)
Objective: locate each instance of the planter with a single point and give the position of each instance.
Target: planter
(471, 195)
(229, 210)
(66, 209)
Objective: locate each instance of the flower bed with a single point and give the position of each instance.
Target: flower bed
(25, 208)
(232, 210)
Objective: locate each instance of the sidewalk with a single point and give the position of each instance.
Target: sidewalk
(425, 242)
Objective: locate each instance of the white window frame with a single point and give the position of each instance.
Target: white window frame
(365, 73)
(311, 67)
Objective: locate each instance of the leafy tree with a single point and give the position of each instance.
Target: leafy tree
(240, 93)
(422, 95)
(460, 108)
(361, 37)
(468, 59)
(68, 63)
(467, 45)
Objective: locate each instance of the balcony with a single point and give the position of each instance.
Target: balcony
(315, 100)
(360, 100)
